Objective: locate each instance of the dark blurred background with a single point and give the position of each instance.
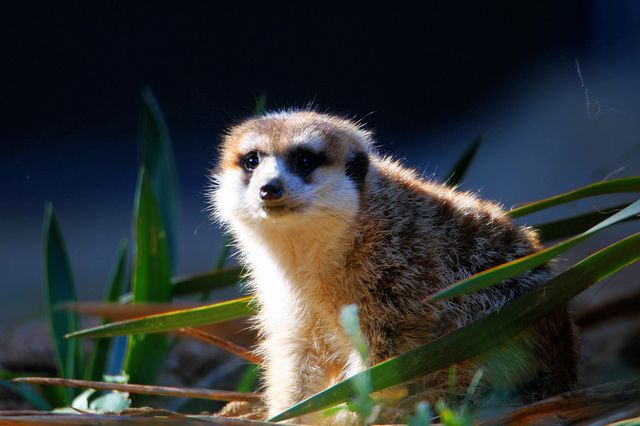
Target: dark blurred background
(428, 80)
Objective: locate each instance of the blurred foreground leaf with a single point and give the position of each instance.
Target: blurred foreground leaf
(98, 359)
(483, 334)
(151, 283)
(627, 184)
(459, 170)
(59, 288)
(516, 267)
(160, 165)
(159, 323)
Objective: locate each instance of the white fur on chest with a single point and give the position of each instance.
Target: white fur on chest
(289, 267)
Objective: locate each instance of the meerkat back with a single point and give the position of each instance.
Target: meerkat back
(322, 221)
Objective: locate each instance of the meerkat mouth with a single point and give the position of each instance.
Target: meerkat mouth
(278, 210)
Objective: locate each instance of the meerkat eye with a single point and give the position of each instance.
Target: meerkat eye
(306, 161)
(250, 161)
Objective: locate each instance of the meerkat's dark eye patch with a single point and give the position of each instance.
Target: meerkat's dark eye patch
(303, 161)
(250, 161)
(356, 169)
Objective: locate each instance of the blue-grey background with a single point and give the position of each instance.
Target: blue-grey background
(427, 80)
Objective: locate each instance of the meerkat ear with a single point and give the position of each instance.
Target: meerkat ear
(357, 167)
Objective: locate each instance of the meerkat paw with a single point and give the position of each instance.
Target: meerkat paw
(243, 410)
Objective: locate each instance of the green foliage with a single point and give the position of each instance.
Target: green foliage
(209, 281)
(151, 283)
(99, 357)
(450, 415)
(159, 162)
(422, 416)
(516, 267)
(248, 379)
(210, 314)
(198, 283)
(562, 228)
(627, 184)
(361, 402)
(59, 288)
(459, 170)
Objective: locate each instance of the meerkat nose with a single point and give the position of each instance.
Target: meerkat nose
(272, 190)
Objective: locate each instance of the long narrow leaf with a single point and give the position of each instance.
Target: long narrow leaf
(209, 281)
(159, 323)
(98, 359)
(193, 284)
(628, 184)
(485, 333)
(160, 164)
(567, 227)
(151, 283)
(516, 267)
(459, 170)
(59, 288)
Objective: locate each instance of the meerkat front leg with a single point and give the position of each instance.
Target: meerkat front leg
(291, 372)
(282, 374)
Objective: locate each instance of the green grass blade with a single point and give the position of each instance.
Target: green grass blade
(99, 357)
(59, 288)
(151, 283)
(627, 184)
(160, 164)
(563, 228)
(159, 323)
(193, 284)
(249, 378)
(516, 267)
(459, 170)
(485, 333)
(209, 281)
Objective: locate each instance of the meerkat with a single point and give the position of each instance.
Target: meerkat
(322, 220)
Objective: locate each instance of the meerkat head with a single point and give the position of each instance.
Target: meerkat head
(291, 167)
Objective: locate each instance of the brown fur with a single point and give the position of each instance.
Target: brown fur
(404, 239)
